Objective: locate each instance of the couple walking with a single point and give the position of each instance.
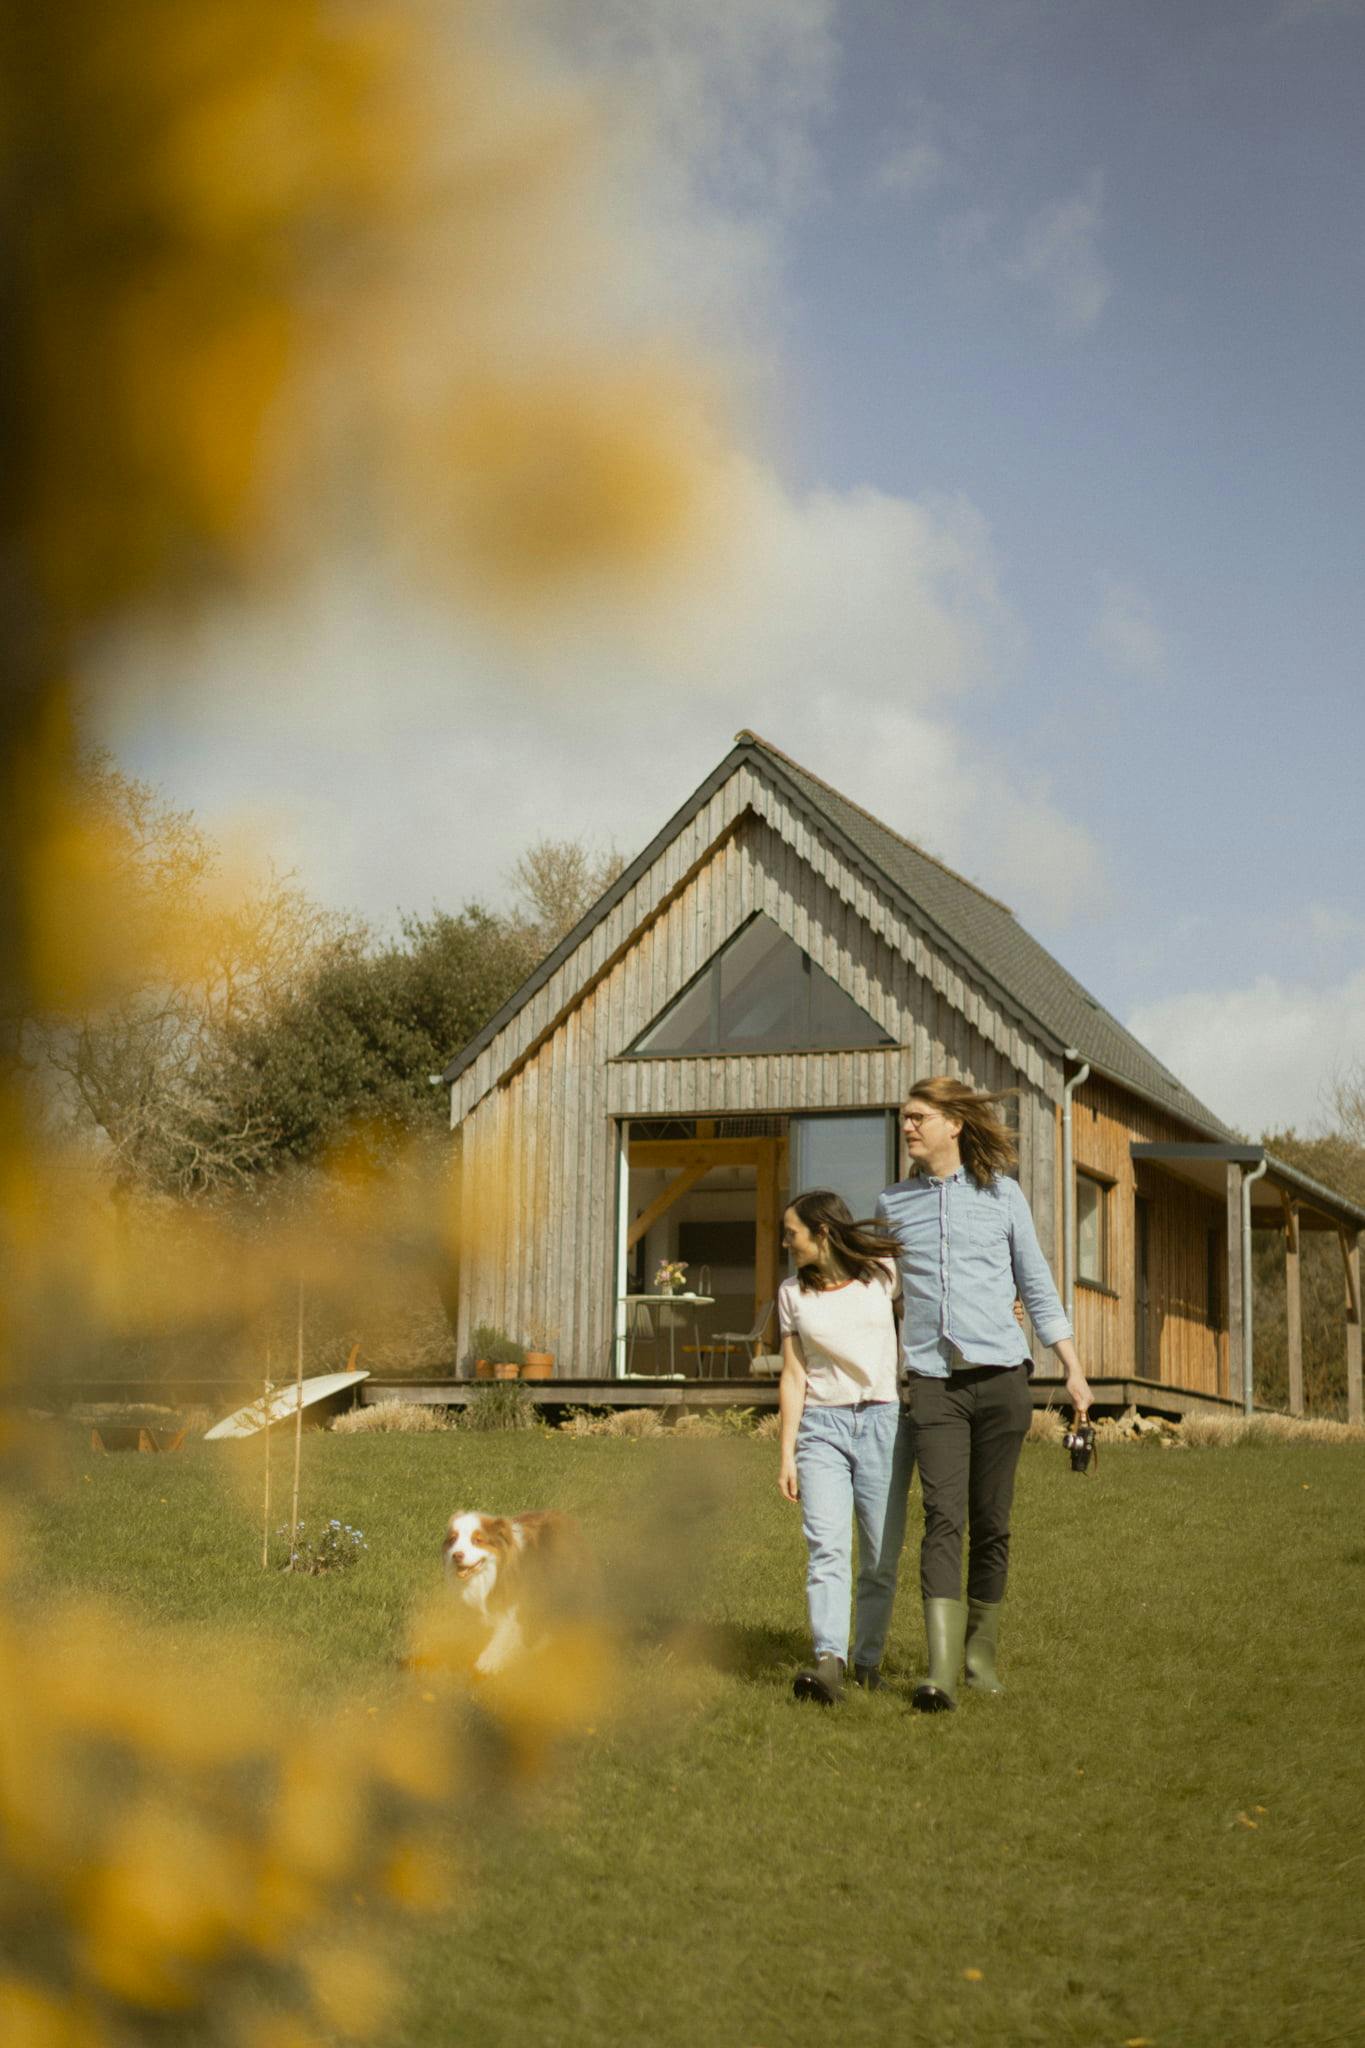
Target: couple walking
(928, 1296)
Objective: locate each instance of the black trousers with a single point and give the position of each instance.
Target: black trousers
(967, 1431)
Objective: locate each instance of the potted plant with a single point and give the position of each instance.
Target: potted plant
(484, 1340)
(540, 1358)
(506, 1356)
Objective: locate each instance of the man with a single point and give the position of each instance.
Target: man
(968, 1247)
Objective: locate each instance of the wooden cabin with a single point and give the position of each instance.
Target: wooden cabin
(739, 1017)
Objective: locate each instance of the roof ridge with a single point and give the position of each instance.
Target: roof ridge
(757, 739)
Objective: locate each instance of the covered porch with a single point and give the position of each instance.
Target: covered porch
(1261, 1192)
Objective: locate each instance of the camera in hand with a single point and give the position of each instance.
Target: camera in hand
(1079, 1441)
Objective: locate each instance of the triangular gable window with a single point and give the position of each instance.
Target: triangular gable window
(761, 993)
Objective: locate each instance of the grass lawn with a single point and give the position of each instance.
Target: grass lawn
(1154, 1836)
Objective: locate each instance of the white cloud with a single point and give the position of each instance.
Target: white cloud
(1126, 633)
(1262, 1056)
(398, 754)
(1058, 252)
(732, 94)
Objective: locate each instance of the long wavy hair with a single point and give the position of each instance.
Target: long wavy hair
(986, 1142)
(859, 1247)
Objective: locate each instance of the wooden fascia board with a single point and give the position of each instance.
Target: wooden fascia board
(587, 924)
(913, 913)
(916, 916)
(583, 989)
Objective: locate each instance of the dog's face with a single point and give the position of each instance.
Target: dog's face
(475, 1545)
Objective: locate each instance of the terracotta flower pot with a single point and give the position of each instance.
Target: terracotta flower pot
(540, 1365)
(505, 1371)
(483, 1369)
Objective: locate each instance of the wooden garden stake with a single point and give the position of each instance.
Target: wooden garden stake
(265, 1512)
(298, 1436)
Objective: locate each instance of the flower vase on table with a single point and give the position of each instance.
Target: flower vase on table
(671, 1278)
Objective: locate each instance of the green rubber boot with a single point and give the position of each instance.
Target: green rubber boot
(945, 1626)
(822, 1681)
(983, 1641)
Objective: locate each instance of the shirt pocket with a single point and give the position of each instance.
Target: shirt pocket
(985, 1228)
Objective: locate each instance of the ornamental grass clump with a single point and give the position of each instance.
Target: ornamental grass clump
(403, 1418)
(503, 1404)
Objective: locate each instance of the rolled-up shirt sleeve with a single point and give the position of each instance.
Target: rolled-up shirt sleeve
(1032, 1275)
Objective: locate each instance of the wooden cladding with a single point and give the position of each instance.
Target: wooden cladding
(1170, 1335)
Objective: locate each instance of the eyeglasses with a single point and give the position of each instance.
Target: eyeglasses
(918, 1117)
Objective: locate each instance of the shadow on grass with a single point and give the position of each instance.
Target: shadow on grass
(739, 1650)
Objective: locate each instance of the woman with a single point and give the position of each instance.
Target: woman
(967, 1245)
(839, 1411)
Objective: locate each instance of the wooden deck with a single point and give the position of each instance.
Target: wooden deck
(1112, 1396)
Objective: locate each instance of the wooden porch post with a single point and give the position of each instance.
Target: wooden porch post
(1293, 1303)
(1233, 1388)
(1350, 1252)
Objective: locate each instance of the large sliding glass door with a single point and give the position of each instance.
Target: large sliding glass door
(853, 1155)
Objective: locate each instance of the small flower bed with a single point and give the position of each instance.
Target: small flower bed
(332, 1549)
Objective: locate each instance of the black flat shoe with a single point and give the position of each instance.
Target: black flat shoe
(868, 1676)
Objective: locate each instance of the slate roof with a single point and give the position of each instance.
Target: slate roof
(982, 932)
(991, 937)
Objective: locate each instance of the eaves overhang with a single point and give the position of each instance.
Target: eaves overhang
(1205, 1167)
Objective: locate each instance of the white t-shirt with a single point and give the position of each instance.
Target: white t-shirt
(846, 1337)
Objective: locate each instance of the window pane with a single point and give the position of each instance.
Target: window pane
(835, 1019)
(686, 1026)
(761, 993)
(764, 989)
(1089, 1230)
(846, 1153)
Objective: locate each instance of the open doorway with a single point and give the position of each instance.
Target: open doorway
(708, 1193)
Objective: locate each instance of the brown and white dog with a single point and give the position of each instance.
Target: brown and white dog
(514, 1573)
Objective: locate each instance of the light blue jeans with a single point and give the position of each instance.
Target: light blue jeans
(853, 1461)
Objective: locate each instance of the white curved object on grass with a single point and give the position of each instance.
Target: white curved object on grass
(284, 1402)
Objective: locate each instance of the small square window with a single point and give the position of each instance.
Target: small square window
(1092, 1200)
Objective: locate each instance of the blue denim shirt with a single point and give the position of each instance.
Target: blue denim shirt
(966, 1251)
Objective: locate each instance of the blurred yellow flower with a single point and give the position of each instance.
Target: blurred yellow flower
(36, 2019)
(168, 1898)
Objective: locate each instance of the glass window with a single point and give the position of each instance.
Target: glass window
(1091, 1198)
(761, 993)
(851, 1154)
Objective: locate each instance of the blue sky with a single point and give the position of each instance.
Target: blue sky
(1044, 318)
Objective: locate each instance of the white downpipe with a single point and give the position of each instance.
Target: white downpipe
(1247, 1341)
(1069, 1189)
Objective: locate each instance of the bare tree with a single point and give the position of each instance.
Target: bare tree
(1348, 1102)
(557, 881)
